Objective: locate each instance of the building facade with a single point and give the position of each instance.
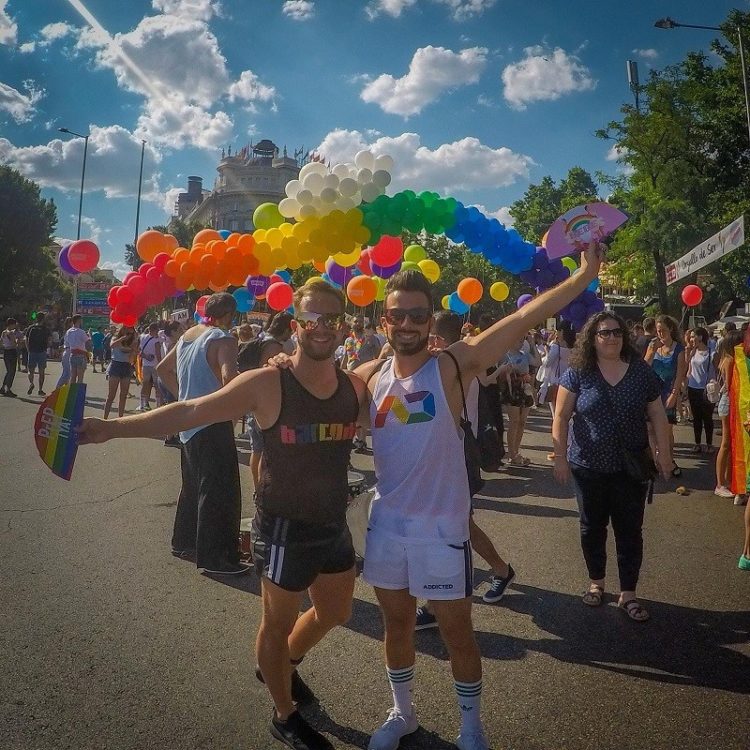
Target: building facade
(254, 175)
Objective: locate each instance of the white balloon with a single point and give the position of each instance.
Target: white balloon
(319, 167)
(348, 186)
(288, 207)
(331, 181)
(306, 170)
(364, 176)
(305, 197)
(370, 191)
(357, 197)
(364, 160)
(341, 171)
(329, 195)
(313, 182)
(384, 162)
(293, 187)
(345, 204)
(306, 211)
(381, 178)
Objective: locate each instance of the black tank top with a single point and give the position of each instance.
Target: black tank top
(306, 453)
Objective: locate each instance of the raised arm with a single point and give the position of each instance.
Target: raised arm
(479, 353)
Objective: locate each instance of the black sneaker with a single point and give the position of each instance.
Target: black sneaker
(301, 691)
(230, 570)
(31, 390)
(425, 619)
(173, 442)
(40, 393)
(10, 394)
(498, 586)
(296, 733)
(183, 554)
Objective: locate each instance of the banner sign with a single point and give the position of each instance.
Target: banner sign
(91, 302)
(723, 242)
(180, 316)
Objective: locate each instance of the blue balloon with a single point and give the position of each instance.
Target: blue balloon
(594, 285)
(244, 299)
(457, 305)
(284, 275)
(224, 233)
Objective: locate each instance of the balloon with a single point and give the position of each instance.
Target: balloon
(83, 255)
(361, 290)
(385, 272)
(692, 295)
(570, 264)
(204, 236)
(267, 216)
(415, 253)
(257, 285)
(594, 285)
(446, 302)
(65, 266)
(279, 295)
(224, 233)
(470, 290)
(200, 305)
(380, 284)
(524, 299)
(456, 304)
(150, 243)
(430, 269)
(160, 260)
(387, 251)
(499, 291)
(244, 299)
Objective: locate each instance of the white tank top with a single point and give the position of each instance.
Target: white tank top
(422, 491)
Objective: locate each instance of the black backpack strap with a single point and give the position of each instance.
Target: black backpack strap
(460, 382)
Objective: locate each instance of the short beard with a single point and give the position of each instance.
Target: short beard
(408, 350)
(319, 355)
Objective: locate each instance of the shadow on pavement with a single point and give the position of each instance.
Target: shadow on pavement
(521, 509)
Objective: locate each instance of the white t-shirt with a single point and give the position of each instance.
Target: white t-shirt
(148, 349)
(76, 338)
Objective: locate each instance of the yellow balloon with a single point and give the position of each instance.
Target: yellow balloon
(415, 253)
(499, 291)
(259, 235)
(287, 229)
(446, 302)
(380, 293)
(430, 269)
(347, 259)
(274, 237)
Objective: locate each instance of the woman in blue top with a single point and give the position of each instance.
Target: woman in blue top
(610, 394)
(666, 355)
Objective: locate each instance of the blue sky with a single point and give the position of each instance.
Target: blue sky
(473, 98)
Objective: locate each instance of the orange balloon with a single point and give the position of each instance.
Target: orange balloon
(361, 290)
(233, 257)
(181, 255)
(208, 264)
(219, 249)
(319, 265)
(188, 269)
(172, 242)
(196, 254)
(183, 282)
(150, 243)
(246, 243)
(200, 281)
(172, 268)
(470, 290)
(250, 265)
(233, 238)
(205, 235)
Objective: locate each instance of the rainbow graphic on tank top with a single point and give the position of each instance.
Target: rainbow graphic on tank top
(405, 411)
(54, 427)
(322, 432)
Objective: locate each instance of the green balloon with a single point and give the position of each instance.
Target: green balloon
(414, 253)
(267, 216)
(407, 264)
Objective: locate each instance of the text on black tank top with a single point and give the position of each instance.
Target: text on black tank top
(306, 453)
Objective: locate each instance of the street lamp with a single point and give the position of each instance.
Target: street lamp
(138, 204)
(670, 23)
(80, 201)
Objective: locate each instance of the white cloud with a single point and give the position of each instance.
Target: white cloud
(175, 123)
(8, 27)
(203, 10)
(432, 71)
(249, 88)
(91, 229)
(502, 214)
(616, 152)
(21, 107)
(169, 199)
(27, 47)
(119, 267)
(54, 31)
(646, 54)
(544, 76)
(299, 10)
(462, 165)
(112, 162)
(461, 10)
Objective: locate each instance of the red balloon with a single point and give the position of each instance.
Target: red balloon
(200, 305)
(279, 295)
(388, 251)
(137, 285)
(112, 295)
(152, 276)
(130, 320)
(166, 285)
(116, 316)
(125, 296)
(129, 275)
(364, 262)
(144, 268)
(161, 259)
(274, 278)
(83, 255)
(692, 295)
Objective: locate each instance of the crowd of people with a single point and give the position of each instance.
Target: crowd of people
(438, 398)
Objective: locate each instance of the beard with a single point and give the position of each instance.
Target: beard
(408, 349)
(315, 350)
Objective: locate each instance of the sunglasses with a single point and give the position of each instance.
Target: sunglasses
(418, 315)
(605, 333)
(310, 321)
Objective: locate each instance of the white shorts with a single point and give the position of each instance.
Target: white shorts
(429, 570)
(148, 374)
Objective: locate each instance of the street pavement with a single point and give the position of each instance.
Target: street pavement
(110, 643)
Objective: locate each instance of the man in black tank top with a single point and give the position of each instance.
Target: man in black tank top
(301, 542)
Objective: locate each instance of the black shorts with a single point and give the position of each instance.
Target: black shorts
(292, 554)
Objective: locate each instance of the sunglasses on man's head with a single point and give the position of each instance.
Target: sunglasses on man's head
(418, 315)
(606, 333)
(309, 321)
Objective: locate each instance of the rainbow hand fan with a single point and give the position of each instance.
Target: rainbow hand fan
(571, 232)
(54, 427)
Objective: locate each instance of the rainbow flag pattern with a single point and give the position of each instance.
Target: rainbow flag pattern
(739, 420)
(54, 432)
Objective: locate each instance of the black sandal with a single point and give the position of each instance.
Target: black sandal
(676, 470)
(634, 610)
(593, 597)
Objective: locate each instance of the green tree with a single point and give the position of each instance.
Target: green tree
(27, 222)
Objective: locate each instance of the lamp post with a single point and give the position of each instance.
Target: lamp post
(670, 23)
(80, 199)
(138, 204)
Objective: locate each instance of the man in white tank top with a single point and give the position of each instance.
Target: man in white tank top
(418, 540)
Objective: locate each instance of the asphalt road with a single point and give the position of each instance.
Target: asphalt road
(110, 643)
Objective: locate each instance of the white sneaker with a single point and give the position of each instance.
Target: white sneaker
(396, 726)
(472, 741)
(722, 491)
(740, 499)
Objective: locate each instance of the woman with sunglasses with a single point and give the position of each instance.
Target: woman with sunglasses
(610, 394)
(666, 355)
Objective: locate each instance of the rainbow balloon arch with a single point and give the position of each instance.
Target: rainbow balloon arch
(346, 208)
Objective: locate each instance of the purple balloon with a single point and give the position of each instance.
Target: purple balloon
(524, 299)
(339, 274)
(257, 285)
(385, 272)
(62, 259)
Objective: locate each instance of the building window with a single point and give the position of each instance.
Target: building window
(234, 225)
